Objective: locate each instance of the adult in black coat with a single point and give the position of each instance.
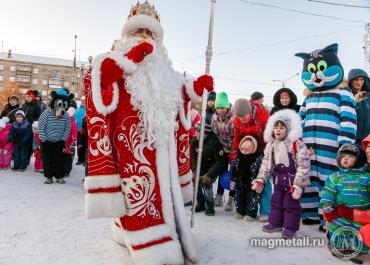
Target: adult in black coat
(31, 107)
(285, 98)
(11, 108)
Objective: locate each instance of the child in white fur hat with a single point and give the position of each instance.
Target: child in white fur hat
(285, 158)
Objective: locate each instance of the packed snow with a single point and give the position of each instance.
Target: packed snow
(45, 224)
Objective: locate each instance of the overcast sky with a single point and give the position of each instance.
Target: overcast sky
(259, 35)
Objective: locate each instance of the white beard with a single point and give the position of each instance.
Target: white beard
(155, 89)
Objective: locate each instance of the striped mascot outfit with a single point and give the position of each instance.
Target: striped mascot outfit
(328, 119)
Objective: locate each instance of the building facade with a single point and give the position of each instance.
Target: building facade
(20, 73)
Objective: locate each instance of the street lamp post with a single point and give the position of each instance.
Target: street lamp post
(284, 81)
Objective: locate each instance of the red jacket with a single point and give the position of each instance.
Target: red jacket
(254, 126)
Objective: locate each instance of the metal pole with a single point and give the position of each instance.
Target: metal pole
(204, 107)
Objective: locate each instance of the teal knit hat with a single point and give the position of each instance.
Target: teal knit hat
(222, 101)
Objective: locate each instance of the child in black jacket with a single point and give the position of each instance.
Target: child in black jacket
(214, 163)
(21, 135)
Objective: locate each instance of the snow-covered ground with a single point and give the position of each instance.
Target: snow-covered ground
(44, 224)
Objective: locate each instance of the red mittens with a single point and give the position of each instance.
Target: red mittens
(203, 82)
(138, 53)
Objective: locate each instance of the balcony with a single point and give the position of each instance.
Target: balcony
(24, 68)
(56, 83)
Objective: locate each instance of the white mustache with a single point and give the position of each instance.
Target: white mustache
(320, 75)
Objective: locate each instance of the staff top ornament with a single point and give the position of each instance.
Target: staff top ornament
(143, 16)
(322, 69)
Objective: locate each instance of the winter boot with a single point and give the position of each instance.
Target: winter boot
(247, 218)
(48, 181)
(263, 218)
(310, 222)
(238, 216)
(219, 200)
(230, 204)
(288, 234)
(200, 208)
(210, 209)
(269, 228)
(60, 181)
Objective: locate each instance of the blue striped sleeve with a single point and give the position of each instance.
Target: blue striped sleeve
(348, 118)
(42, 125)
(302, 112)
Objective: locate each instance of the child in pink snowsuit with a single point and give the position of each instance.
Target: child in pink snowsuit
(6, 149)
(36, 148)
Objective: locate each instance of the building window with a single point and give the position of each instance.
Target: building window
(24, 68)
(23, 91)
(1, 89)
(1, 78)
(55, 81)
(55, 74)
(66, 73)
(35, 81)
(44, 93)
(12, 78)
(44, 82)
(13, 68)
(66, 84)
(35, 70)
(23, 78)
(1, 67)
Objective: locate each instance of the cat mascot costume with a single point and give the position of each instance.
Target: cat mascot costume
(328, 119)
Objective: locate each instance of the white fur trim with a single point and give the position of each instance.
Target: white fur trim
(185, 120)
(189, 246)
(125, 64)
(147, 235)
(189, 89)
(103, 204)
(186, 177)
(118, 234)
(143, 21)
(96, 182)
(99, 205)
(295, 125)
(165, 253)
(188, 190)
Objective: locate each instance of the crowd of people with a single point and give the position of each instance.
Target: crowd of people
(266, 161)
(34, 129)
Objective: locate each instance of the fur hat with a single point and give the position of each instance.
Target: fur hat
(242, 107)
(250, 138)
(35, 124)
(3, 122)
(143, 16)
(354, 150)
(20, 112)
(292, 121)
(256, 96)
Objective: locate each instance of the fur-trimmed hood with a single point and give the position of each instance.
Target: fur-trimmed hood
(290, 118)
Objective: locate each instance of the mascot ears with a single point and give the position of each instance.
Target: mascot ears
(330, 48)
(71, 96)
(303, 55)
(53, 94)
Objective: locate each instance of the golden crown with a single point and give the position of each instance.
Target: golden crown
(144, 9)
